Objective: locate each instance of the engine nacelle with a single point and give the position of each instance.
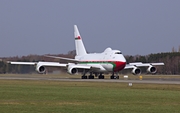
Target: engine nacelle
(136, 71)
(152, 69)
(40, 69)
(71, 70)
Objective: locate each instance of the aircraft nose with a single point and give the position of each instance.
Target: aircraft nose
(120, 64)
(123, 59)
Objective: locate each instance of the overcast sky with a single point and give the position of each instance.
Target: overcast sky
(46, 26)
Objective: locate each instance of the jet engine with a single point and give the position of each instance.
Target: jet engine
(72, 70)
(40, 69)
(152, 69)
(136, 71)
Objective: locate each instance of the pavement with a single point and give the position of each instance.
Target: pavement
(39, 78)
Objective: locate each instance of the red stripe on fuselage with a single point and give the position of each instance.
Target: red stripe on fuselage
(119, 66)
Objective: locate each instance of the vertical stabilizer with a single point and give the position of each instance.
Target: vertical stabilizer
(80, 49)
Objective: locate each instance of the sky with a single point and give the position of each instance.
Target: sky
(135, 27)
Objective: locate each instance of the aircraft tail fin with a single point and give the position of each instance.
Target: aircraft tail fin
(80, 49)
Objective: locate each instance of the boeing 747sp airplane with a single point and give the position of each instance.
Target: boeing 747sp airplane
(109, 61)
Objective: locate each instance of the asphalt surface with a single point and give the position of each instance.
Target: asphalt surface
(148, 81)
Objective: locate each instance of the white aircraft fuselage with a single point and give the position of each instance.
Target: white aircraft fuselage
(108, 61)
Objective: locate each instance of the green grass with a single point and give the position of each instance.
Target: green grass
(26, 96)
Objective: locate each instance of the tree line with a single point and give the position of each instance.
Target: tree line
(171, 60)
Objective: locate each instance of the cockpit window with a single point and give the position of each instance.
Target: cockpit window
(118, 53)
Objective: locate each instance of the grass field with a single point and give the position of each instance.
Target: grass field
(28, 96)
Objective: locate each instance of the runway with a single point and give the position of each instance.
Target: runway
(44, 78)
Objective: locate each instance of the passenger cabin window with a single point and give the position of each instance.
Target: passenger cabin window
(118, 53)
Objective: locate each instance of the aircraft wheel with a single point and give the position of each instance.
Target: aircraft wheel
(101, 77)
(112, 77)
(91, 77)
(84, 77)
(117, 77)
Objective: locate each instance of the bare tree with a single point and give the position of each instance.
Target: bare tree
(173, 49)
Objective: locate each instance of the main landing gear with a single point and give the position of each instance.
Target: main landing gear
(100, 76)
(91, 76)
(87, 77)
(83, 77)
(114, 76)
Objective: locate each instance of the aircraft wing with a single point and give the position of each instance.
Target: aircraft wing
(53, 64)
(23, 63)
(136, 70)
(82, 66)
(57, 64)
(40, 63)
(140, 64)
(69, 65)
(66, 59)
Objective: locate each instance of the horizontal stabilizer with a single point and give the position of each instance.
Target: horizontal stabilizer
(67, 59)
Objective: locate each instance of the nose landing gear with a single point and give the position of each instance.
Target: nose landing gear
(114, 76)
